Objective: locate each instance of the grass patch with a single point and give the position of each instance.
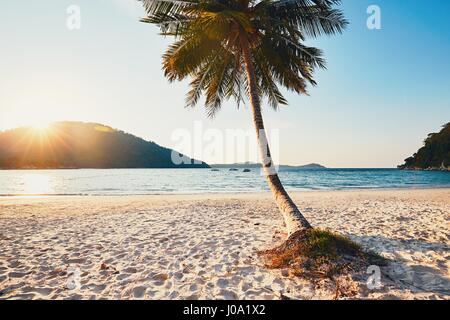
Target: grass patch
(320, 254)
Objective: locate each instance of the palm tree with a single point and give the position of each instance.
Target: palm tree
(245, 49)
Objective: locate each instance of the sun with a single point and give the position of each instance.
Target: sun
(41, 126)
(42, 130)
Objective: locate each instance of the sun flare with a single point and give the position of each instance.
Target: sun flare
(41, 126)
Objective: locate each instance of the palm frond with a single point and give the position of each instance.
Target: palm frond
(211, 35)
(169, 15)
(313, 18)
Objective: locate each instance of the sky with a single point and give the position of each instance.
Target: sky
(384, 90)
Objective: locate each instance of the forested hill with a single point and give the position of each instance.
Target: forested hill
(82, 145)
(434, 155)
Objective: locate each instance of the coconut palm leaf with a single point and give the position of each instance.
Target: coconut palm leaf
(246, 50)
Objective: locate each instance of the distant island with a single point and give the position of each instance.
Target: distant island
(74, 145)
(434, 155)
(258, 165)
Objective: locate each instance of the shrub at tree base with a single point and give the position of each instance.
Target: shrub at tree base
(318, 255)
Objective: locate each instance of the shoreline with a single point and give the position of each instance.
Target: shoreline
(205, 246)
(201, 194)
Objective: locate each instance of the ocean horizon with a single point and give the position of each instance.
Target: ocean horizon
(103, 182)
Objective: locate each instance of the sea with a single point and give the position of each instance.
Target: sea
(190, 181)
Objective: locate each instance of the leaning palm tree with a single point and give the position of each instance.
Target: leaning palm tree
(246, 49)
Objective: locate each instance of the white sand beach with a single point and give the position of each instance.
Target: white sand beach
(204, 246)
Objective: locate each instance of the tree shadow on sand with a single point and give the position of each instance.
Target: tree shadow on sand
(415, 265)
(348, 265)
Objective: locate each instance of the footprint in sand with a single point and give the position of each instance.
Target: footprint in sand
(14, 264)
(129, 270)
(228, 295)
(24, 296)
(122, 276)
(98, 288)
(17, 274)
(193, 287)
(41, 291)
(139, 292)
(218, 267)
(222, 283)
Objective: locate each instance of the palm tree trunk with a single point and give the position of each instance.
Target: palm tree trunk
(293, 218)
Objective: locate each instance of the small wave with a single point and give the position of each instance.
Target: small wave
(42, 194)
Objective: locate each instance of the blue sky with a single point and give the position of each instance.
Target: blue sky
(383, 92)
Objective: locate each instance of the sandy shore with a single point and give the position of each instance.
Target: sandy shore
(203, 246)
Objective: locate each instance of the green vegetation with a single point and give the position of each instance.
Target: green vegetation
(82, 145)
(434, 155)
(320, 254)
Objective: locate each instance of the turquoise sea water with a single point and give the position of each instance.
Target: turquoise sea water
(162, 181)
